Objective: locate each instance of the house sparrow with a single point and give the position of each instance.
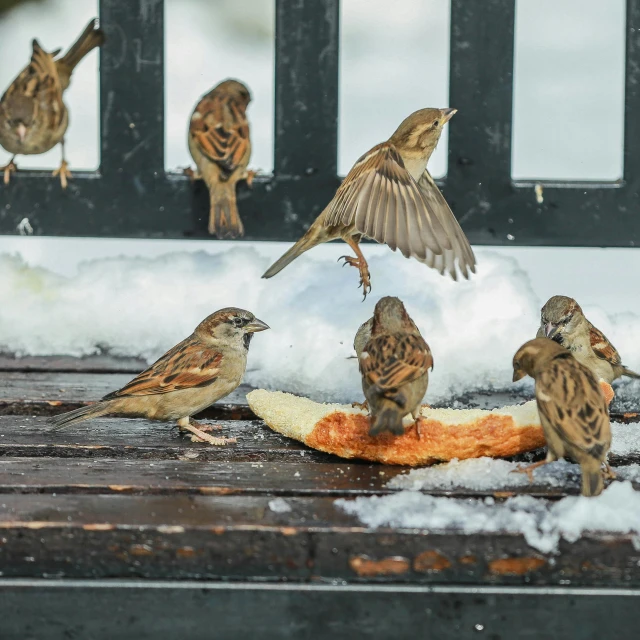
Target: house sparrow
(206, 366)
(562, 320)
(33, 116)
(394, 365)
(572, 409)
(220, 145)
(390, 196)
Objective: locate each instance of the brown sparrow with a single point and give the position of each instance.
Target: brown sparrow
(33, 116)
(390, 196)
(206, 366)
(220, 145)
(394, 364)
(562, 320)
(572, 409)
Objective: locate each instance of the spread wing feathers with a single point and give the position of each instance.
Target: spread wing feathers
(390, 361)
(383, 202)
(221, 130)
(602, 347)
(189, 364)
(460, 248)
(570, 399)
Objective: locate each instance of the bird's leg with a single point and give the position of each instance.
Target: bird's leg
(363, 406)
(248, 176)
(608, 471)
(191, 174)
(9, 169)
(417, 418)
(360, 262)
(530, 467)
(198, 433)
(63, 171)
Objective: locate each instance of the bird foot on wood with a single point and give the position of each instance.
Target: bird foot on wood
(248, 176)
(363, 267)
(8, 169)
(529, 469)
(64, 173)
(198, 433)
(191, 174)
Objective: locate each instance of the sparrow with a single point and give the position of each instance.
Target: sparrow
(206, 366)
(220, 145)
(390, 196)
(572, 409)
(394, 364)
(33, 116)
(562, 320)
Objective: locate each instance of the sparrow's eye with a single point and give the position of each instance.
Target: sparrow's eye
(238, 322)
(436, 123)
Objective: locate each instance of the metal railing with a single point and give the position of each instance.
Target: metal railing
(131, 195)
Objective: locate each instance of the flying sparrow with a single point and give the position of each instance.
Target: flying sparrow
(206, 366)
(394, 365)
(562, 320)
(390, 196)
(220, 145)
(33, 116)
(572, 409)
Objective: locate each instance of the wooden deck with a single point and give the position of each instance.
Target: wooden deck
(118, 507)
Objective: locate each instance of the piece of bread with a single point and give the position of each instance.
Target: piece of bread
(444, 433)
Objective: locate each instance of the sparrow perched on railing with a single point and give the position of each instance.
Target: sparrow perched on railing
(562, 320)
(206, 366)
(220, 146)
(33, 116)
(390, 196)
(572, 409)
(394, 363)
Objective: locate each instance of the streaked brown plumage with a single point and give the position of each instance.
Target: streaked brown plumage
(206, 366)
(33, 115)
(394, 364)
(220, 146)
(390, 196)
(562, 320)
(572, 409)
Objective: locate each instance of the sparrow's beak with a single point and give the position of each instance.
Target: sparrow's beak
(550, 330)
(447, 114)
(518, 374)
(21, 130)
(256, 325)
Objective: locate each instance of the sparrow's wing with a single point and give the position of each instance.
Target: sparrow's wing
(382, 201)
(602, 347)
(188, 365)
(460, 249)
(571, 400)
(220, 128)
(390, 361)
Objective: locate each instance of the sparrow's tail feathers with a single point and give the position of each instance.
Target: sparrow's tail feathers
(89, 39)
(308, 241)
(78, 415)
(629, 373)
(388, 418)
(592, 478)
(224, 218)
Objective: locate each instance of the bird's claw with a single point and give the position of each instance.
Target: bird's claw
(365, 276)
(363, 406)
(8, 169)
(64, 173)
(249, 176)
(191, 174)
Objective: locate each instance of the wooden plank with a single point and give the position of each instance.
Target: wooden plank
(242, 537)
(99, 363)
(199, 610)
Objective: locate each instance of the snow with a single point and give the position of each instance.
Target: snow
(143, 306)
(279, 505)
(542, 523)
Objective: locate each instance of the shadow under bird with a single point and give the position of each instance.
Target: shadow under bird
(572, 408)
(563, 320)
(200, 370)
(220, 145)
(389, 196)
(33, 115)
(394, 364)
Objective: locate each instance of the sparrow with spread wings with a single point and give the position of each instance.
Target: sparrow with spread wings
(562, 320)
(394, 363)
(33, 115)
(390, 196)
(220, 146)
(572, 408)
(200, 370)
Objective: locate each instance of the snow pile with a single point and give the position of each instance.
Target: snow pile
(143, 306)
(542, 523)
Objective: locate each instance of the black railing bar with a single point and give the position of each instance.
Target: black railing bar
(632, 93)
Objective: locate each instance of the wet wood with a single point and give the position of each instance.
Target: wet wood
(89, 364)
